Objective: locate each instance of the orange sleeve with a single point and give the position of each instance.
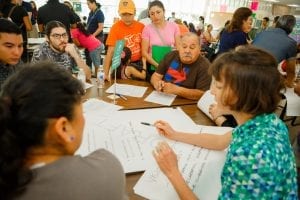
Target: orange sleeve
(112, 36)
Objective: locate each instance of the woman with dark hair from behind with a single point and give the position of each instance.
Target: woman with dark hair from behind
(235, 33)
(41, 127)
(81, 37)
(76, 17)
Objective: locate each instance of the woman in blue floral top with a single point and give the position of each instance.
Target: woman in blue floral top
(260, 163)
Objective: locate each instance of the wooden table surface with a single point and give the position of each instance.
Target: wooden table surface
(188, 106)
(132, 102)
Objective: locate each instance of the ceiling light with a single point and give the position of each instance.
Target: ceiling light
(293, 5)
(274, 1)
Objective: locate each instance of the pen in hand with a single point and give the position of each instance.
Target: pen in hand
(160, 86)
(147, 124)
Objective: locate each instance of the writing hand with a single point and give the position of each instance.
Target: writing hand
(160, 86)
(164, 129)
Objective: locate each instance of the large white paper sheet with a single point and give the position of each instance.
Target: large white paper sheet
(160, 98)
(293, 103)
(122, 133)
(200, 167)
(96, 105)
(128, 90)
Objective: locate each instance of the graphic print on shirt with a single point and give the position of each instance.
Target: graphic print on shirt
(175, 74)
(133, 42)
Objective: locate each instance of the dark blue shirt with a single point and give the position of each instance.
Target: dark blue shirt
(231, 40)
(277, 42)
(93, 20)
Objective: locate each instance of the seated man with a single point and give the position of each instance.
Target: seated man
(183, 72)
(11, 48)
(57, 49)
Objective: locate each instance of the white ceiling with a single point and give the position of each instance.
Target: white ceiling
(287, 2)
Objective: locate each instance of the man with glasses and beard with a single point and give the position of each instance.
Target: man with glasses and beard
(183, 72)
(57, 49)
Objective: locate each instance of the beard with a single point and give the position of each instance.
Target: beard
(59, 48)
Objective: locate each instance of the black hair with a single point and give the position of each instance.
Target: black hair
(126, 56)
(3, 4)
(28, 99)
(51, 25)
(7, 26)
(156, 3)
(287, 23)
(82, 28)
(276, 19)
(267, 19)
(70, 6)
(97, 4)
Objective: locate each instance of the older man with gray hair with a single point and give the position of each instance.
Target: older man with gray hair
(277, 42)
(183, 72)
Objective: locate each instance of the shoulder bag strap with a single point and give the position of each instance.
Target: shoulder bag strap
(160, 36)
(11, 11)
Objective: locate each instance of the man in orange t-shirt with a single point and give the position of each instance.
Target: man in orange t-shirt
(131, 31)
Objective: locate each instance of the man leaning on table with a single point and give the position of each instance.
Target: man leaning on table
(57, 49)
(11, 49)
(183, 72)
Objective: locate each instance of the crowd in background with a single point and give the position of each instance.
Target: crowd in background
(41, 115)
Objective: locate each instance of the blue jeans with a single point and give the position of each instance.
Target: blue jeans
(95, 55)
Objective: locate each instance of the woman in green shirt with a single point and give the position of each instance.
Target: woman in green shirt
(260, 163)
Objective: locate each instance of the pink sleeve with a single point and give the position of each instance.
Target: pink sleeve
(146, 33)
(74, 33)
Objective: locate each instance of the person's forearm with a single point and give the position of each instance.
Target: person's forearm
(107, 60)
(193, 94)
(99, 30)
(208, 141)
(150, 60)
(155, 78)
(81, 64)
(183, 190)
(41, 28)
(290, 72)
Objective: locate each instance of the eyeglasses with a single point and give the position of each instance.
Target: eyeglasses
(58, 36)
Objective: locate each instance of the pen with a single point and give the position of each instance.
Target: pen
(121, 96)
(147, 124)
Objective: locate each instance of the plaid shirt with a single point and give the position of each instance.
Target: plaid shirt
(5, 71)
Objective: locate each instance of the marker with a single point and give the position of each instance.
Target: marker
(147, 124)
(121, 96)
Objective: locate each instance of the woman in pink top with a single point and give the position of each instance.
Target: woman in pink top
(81, 37)
(160, 32)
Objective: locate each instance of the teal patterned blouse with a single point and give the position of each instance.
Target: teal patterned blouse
(260, 163)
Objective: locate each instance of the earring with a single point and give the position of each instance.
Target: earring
(72, 138)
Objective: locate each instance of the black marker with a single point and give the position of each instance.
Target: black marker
(147, 124)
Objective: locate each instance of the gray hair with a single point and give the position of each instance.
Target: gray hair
(286, 22)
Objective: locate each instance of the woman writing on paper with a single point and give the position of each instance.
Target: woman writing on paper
(260, 163)
(159, 37)
(41, 127)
